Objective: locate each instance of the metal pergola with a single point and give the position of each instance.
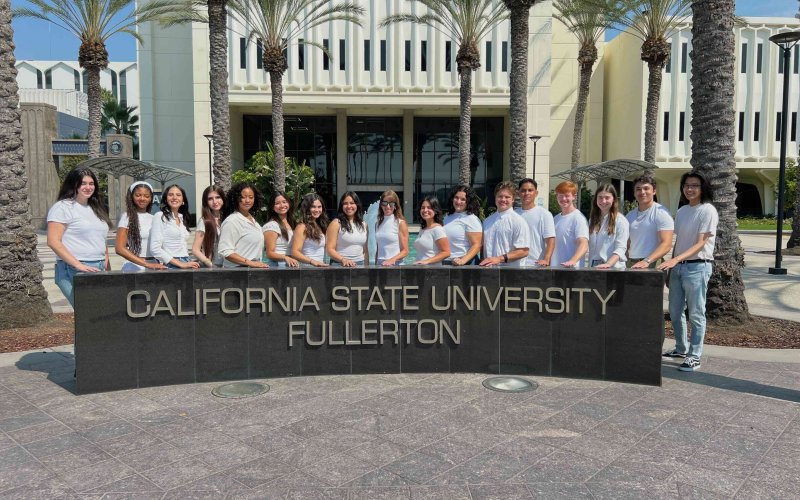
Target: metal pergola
(612, 169)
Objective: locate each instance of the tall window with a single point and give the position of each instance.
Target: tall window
(243, 52)
(375, 150)
(48, 79)
(684, 56)
(407, 54)
(741, 126)
(488, 56)
(383, 55)
(778, 126)
(325, 59)
(423, 55)
(367, 55)
(666, 125)
(756, 125)
(259, 54)
(793, 137)
(796, 59)
(301, 54)
(504, 58)
(114, 83)
(85, 81)
(759, 56)
(39, 79)
(448, 56)
(744, 58)
(123, 88)
(77, 75)
(681, 125)
(342, 55)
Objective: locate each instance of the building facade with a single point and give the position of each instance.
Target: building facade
(758, 102)
(381, 113)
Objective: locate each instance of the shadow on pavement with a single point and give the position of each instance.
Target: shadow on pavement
(731, 384)
(59, 367)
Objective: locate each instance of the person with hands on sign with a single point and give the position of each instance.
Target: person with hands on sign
(505, 233)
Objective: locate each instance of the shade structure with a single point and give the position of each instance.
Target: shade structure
(139, 170)
(615, 169)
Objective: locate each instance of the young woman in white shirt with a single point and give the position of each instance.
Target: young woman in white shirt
(169, 232)
(279, 229)
(431, 245)
(463, 227)
(346, 237)
(308, 242)
(391, 231)
(77, 226)
(608, 230)
(241, 241)
(206, 236)
(133, 230)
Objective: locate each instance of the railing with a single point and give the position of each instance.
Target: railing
(71, 102)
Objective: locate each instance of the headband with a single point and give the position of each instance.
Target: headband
(140, 183)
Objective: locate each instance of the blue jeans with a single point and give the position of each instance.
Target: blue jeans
(688, 284)
(65, 273)
(182, 259)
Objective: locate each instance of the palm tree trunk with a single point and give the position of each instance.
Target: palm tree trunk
(218, 83)
(651, 117)
(276, 83)
(518, 83)
(95, 110)
(23, 299)
(465, 119)
(586, 64)
(713, 135)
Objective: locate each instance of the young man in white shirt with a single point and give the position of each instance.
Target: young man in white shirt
(651, 226)
(505, 233)
(540, 225)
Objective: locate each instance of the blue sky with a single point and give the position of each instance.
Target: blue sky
(41, 40)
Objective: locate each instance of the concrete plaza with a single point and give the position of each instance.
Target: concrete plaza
(729, 430)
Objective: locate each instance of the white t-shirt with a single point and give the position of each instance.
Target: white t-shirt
(540, 226)
(569, 229)
(504, 232)
(457, 226)
(85, 234)
(216, 258)
(168, 239)
(603, 245)
(281, 244)
(314, 250)
(241, 236)
(350, 245)
(690, 221)
(644, 228)
(387, 235)
(425, 245)
(145, 223)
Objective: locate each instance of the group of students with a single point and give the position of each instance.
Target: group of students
(228, 235)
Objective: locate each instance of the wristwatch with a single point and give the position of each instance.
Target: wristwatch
(505, 258)
(647, 260)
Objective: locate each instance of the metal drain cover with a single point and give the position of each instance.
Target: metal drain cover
(510, 384)
(238, 390)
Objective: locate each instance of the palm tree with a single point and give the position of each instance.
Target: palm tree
(588, 23)
(215, 14)
(120, 119)
(23, 299)
(518, 84)
(653, 21)
(94, 22)
(713, 136)
(466, 22)
(276, 23)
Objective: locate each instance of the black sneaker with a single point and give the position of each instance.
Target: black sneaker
(690, 364)
(674, 354)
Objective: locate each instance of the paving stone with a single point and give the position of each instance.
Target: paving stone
(454, 492)
(377, 493)
(561, 467)
(688, 491)
(559, 490)
(418, 467)
(14, 457)
(110, 430)
(56, 444)
(24, 420)
(153, 456)
(317, 494)
(339, 469)
(379, 478)
(233, 453)
(218, 483)
(379, 452)
(75, 458)
(499, 492)
(128, 443)
(622, 490)
(39, 432)
(6, 441)
(259, 471)
(272, 440)
(131, 484)
(83, 419)
(23, 475)
(732, 441)
(178, 473)
(95, 475)
(712, 480)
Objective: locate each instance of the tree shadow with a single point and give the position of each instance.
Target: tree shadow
(58, 365)
(731, 384)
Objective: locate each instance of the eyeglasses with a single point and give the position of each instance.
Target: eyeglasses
(692, 186)
(389, 204)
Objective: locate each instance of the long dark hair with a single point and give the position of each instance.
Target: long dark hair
(473, 203)
(69, 188)
(166, 212)
(235, 195)
(315, 228)
(134, 232)
(273, 215)
(209, 222)
(706, 192)
(437, 210)
(398, 211)
(596, 215)
(358, 218)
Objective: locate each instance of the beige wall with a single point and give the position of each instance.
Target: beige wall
(39, 129)
(624, 102)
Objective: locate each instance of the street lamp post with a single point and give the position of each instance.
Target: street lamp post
(210, 139)
(785, 41)
(535, 139)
